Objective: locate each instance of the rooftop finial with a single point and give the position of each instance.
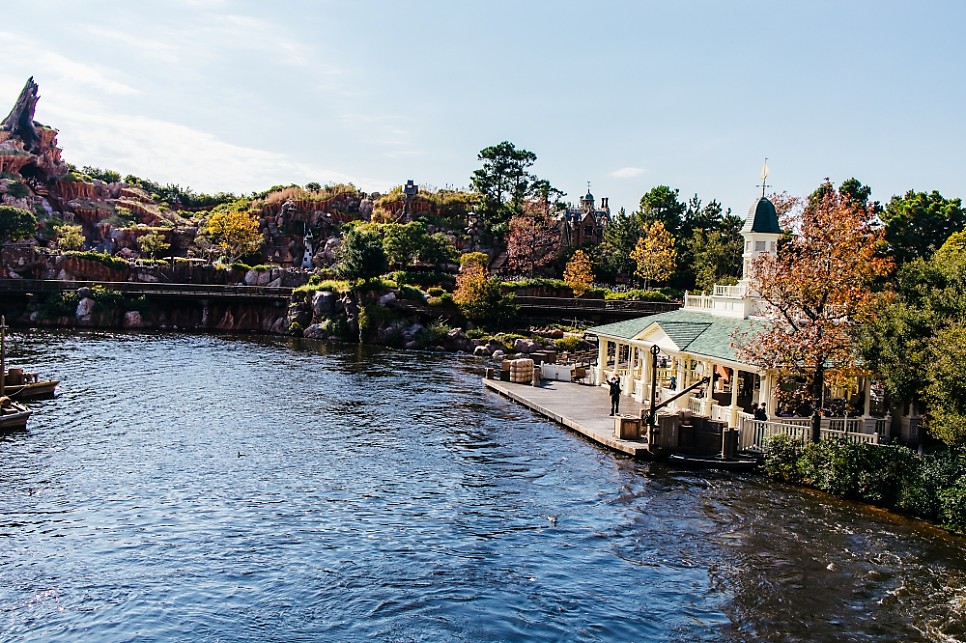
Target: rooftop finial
(764, 175)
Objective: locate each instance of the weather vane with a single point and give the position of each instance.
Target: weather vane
(764, 175)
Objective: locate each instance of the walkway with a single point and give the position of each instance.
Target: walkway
(581, 407)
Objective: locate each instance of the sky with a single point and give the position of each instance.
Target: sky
(237, 96)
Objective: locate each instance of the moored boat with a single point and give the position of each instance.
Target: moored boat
(688, 461)
(20, 385)
(13, 415)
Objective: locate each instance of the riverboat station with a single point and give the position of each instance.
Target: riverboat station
(695, 344)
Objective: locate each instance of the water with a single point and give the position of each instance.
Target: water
(200, 488)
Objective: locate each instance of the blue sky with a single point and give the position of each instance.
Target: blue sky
(222, 95)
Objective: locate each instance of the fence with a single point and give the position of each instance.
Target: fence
(752, 432)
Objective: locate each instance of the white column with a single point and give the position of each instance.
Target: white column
(867, 396)
(708, 391)
(734, 398)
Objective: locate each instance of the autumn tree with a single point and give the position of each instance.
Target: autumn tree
(654, 254)
(479, 296)
(234, 232)
(534, 239)
(578, 273)
(816, 291)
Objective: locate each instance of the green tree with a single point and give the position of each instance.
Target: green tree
(715, 257)
(153, 244)
(16, 224)
(70, 237)
(661, 204)
(436, 249)
(402, 241)
(361, 254)
(916, 343)
(917, 224)
(613, 255)
(504, 184)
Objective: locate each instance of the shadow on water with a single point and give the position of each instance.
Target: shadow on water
(248, 488)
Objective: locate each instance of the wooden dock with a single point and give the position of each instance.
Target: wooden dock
(581, 407)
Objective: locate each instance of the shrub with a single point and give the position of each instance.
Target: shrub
(63, 304)
(17, 190)
(782, 453)
(638, 295)
(100, 257)
(435, 291)
(433, 333)
(569, 343)
(952, 503)
(411, 293)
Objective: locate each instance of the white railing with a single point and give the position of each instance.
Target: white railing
(740, 290)
(721, 413)
(752, 432)
(701, 302)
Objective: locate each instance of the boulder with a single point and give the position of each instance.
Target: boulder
(132, 319)
(481, 351)
(315, 331)
(84, 309)
(387, 299)
(498, 355)
(323, 303)
(84, 292)
(526, 346)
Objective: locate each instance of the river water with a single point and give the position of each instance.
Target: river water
(209, 488)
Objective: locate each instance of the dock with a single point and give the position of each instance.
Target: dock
(581, 407)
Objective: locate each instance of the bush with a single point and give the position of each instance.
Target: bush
(433, 334)
(638, 295)
(569, 343)
(411, 293)
(952, 502)
(63, 304)
(100, 257)
(782, 453)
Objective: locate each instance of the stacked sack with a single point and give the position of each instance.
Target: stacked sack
(521, 371)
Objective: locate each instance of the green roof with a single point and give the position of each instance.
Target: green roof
(697, 333)
(762, 217)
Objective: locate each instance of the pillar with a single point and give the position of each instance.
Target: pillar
(734, 398)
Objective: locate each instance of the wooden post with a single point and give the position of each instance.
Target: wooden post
(3, 355)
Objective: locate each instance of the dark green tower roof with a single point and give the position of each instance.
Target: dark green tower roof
(762, 217)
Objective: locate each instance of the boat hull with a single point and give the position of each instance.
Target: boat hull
(711, 462)
(32, 390)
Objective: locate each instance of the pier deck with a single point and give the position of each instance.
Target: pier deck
(581, 407)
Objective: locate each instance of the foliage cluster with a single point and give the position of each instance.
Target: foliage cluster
(481, 298)
(931, 486)
(16, 223)
(100, 257)
(638, 295)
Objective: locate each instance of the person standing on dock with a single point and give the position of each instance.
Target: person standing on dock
(615, 394)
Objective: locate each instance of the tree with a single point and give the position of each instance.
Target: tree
(153, 244)
(401, 241)
(816, 292)
(654, 253)
(504, 184)
(533, 240)
(436, 249)
(916, 343)
(715, 257)
(361, 254)
(578, 273)
(70, 237)
(918, 223)
(234, 232)
(480, 298)
(614, 252)
(661, 204)
(16, 224)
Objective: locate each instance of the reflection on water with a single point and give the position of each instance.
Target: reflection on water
(214, 488)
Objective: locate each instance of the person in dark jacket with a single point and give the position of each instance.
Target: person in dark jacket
(615, 394)
(760, 413)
